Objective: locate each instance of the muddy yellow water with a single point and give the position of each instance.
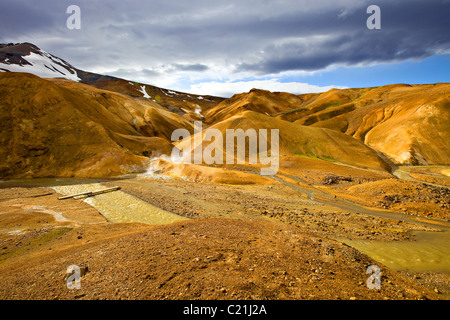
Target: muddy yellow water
(120, 207)
(429, 252)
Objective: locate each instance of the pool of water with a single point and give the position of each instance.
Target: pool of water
(428, 252)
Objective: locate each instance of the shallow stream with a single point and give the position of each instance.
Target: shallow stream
(120, 207)
(116, 207)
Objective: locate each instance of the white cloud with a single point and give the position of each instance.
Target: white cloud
(227, 89)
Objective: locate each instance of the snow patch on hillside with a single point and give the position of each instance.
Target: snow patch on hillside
(144, 92)
(43, 66)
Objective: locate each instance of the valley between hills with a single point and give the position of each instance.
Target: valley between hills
(363, 179)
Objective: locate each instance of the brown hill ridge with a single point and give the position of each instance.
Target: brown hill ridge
(299, 140)
(16, 57)
(409, 124)
(63, 128)
(261, 101)
(57, 127)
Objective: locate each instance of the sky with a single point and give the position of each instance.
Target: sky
(226, 47)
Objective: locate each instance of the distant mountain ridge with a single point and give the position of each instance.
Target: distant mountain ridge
(27, 57)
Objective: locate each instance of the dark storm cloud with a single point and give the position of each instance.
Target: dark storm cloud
(198, 67)
(252, 36)
(347, 50)
(410, 30)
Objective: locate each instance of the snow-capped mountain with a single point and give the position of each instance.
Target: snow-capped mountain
(26, 57)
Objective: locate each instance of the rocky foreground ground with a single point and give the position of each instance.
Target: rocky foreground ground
(200, 259)
(242, 242)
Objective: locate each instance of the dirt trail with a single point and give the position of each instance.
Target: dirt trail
(405, 175)
(328, 199)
